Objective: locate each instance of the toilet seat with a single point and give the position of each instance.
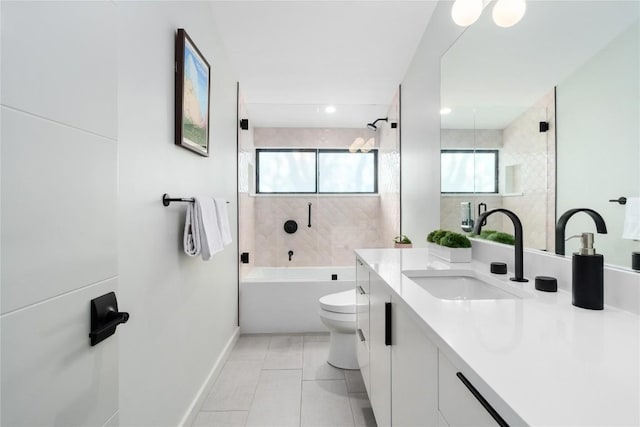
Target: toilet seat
(342, 302)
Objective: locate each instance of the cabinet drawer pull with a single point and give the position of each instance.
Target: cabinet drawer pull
(362, 291)
(486, 405)
(360, 334)
(387, 323)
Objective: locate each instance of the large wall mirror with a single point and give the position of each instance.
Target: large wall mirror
(544, 117)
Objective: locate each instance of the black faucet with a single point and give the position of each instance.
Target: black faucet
(517, 226)
(290, 255)
(601, 227)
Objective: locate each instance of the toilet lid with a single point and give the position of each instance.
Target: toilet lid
(342, 302)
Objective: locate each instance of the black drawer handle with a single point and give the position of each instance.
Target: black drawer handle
(360, 334)
(486, 405)
(362, 291)
(387, 323)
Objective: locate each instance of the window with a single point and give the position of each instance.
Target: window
(316, 171)
(469, 171)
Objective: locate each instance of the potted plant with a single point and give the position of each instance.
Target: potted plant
(402, 241)
(450, 246)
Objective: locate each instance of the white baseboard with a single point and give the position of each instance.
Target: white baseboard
(196, 404)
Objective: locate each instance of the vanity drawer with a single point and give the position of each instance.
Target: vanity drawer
(362, 347)
(457, 402)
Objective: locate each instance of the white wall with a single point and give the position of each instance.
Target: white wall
(598, 144)
(420, 110)
(183, 310)
(59, 199)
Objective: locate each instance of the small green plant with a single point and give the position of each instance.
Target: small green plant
(402, 239)
(430, 236)
(436, 235)
(501, 237)
(486, 233)
(455, 240)
(496, 236)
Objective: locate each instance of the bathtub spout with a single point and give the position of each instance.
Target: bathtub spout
(290, 255)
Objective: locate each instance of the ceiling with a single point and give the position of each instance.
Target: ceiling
(351, 54)
(501, 72)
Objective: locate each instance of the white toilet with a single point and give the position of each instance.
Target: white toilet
(338, 313)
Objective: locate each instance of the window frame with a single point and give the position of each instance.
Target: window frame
(317, 151)
(496, 154)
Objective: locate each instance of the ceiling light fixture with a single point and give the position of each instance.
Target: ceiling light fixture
(330, 109)
(507, 13)
(445, 110)
(466, 12)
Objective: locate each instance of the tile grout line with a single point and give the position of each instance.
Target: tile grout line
(57, 122)
(259, 376)
(58, 296)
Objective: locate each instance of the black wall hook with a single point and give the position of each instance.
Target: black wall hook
(105, 317)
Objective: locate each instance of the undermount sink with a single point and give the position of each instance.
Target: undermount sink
(462, 285)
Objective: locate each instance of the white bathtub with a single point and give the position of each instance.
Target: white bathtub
(285, 299)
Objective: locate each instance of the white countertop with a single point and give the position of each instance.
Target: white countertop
(551, 363)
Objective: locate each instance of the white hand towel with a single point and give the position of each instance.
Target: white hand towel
(223, 220)
(631, 228)
(210, 237)
(191, 238)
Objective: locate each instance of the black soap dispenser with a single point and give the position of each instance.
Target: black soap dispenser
(588, 275)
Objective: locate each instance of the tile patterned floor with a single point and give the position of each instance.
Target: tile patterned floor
(285, 380)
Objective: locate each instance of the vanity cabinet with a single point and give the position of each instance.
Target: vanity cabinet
(457, 403)
(379, 350)
(414, 367)
(362, 321)
(399, 364)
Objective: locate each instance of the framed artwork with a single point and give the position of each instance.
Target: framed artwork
(193, 92)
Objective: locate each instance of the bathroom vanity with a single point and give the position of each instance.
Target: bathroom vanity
(452, 344)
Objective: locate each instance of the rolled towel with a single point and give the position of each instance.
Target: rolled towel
(210, 237)
(191, 238)
(223, 220)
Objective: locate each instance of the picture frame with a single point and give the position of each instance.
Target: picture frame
(192, 96)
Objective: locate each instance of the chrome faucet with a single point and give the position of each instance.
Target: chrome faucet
(601, 227)
(517, 227)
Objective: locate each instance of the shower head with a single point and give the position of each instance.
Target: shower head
(373, 126)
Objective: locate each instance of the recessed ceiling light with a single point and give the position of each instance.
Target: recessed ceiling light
(445, 110)
(330, 109)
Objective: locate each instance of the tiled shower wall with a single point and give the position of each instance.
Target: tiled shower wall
(340, 223)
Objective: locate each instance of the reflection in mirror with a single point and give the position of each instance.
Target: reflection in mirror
(558, 96)
(351, 196)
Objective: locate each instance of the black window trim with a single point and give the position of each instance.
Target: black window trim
(471, 150)
(317, 152)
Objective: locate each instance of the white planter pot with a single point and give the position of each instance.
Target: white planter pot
(403, 245)
(450, 254)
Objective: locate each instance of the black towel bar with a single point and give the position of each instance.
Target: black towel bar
(166, 200)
